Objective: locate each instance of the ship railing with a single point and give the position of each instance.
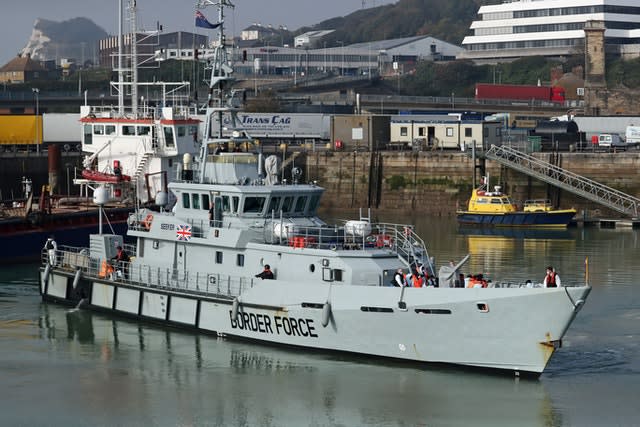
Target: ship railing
(132, 273)
(400, 238)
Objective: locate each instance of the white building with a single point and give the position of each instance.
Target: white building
(311, 38)
(552, 28)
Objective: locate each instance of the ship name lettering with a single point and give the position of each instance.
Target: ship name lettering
(262, 323)
(166, 226)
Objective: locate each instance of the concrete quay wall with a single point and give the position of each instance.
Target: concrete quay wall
(438, 183)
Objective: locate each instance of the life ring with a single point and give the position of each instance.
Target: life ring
(147, 222)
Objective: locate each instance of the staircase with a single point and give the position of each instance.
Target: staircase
(569, 181)
(142, 166)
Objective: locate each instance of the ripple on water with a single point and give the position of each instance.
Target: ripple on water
(589, 362)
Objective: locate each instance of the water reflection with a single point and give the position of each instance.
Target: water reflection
(221, 382)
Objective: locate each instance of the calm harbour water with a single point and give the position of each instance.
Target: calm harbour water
(63, 367)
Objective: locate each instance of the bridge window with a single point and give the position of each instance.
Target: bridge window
(313, 205)
(449, 131)
(236, 204)
(286, 204)
(169, 140)
(468, 132)
(253, 204)
(128, 130)
(300, 204)
(88, 134)
(206, 203)
(195, 201)
(185, 201)
(218, 257)
(143, 130)
(98, 129)
(240, 260)
(422, 131)
(182, 131)
(110, 129)
(403, 131)
(226, 204)
(274, 203)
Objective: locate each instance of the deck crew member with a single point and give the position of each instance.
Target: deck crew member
(122, 258)
(551, 280)
(398, 278)
(266, 273)
(51, 246)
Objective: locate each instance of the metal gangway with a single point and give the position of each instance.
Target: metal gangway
(561, 178)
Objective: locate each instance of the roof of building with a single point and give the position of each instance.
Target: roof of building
(315, 34)
(22, 63)
(395, 43)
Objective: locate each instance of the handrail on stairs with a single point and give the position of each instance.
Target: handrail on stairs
(572, 182)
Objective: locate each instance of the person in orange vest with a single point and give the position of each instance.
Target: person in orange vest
(551, 280)
(417, 279)
(477, 281)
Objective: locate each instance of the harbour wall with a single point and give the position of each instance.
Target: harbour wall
(439, 183)
(430, 183)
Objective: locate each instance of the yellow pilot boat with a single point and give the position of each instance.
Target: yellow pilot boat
(494, 208)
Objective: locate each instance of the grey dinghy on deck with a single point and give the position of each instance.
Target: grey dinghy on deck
(194, 268)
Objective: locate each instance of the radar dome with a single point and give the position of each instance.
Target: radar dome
(162, 198)
(101, 195)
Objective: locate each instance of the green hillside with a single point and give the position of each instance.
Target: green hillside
(447, 20)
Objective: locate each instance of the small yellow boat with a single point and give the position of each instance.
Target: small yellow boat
(494, 208)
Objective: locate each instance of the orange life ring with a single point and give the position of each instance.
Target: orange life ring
(147, 222)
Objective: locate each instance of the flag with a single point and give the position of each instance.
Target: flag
(201, 21)
(183, 232)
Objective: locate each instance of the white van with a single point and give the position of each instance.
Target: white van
(611, 140)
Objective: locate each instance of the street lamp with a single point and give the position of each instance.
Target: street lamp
(36, 93)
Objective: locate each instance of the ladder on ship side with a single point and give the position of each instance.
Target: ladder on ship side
(142, 165)
(566, 180)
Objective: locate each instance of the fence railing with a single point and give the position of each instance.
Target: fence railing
(213, 284)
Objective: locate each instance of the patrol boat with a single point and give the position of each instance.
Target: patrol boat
(194, 265)
(495, 209)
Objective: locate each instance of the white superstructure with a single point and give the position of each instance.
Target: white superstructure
(552, 28)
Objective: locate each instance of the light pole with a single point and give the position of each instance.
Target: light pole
(36, 93)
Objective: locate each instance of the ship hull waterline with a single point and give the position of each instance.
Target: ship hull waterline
(481, 328)
(517, 219)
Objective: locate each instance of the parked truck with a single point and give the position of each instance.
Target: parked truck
(520, 92)
(632, 135)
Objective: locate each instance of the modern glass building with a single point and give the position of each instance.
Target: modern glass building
(551, 28)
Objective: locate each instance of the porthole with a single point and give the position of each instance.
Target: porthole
(312, 268)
